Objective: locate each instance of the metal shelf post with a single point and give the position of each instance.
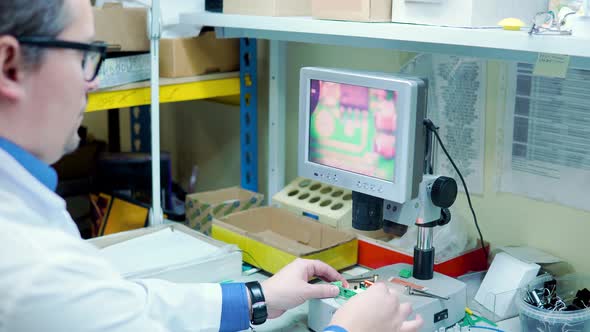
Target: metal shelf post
(249, 114)
(156, 216)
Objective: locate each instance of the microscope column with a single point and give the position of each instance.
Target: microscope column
(424, 254)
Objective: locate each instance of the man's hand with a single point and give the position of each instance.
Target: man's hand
(376, 309)
(290, 288)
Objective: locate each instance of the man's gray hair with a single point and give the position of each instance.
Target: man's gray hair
(43, 18)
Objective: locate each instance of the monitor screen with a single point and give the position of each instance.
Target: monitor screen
(353, 128)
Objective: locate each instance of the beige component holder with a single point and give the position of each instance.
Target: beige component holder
(327, 204)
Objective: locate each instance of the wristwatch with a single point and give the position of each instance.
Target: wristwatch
(259, 312)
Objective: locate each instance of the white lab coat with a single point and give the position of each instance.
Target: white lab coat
(51, 280)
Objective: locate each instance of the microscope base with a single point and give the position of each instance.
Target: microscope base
(436, 313)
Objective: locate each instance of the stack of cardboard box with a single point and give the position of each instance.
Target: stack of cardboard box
(125, 30)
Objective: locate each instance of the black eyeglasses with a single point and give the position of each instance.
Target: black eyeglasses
(94, 53)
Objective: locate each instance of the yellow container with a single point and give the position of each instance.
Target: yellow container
(271, 238)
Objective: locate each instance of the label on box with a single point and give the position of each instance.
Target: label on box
(124, 70)
(200, 214)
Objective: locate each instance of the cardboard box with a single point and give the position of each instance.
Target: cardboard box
(268, 7)
(125, 28)
(202, 208)
(465, 13)
(124, 70)
(352, 10)
(226, 265)
(201, 55)
(327, 204)
(271, 238)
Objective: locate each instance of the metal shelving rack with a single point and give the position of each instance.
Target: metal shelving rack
(484, 43)
(221, 87)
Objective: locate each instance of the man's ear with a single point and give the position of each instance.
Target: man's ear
(11, 68)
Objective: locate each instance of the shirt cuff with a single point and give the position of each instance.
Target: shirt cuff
(334, 328)
(235, 312)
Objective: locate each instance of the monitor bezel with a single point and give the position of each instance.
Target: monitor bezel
(404, 186)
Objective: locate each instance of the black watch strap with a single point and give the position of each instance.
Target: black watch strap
(259, 312)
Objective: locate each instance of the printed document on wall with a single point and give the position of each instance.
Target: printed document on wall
(546, 139)
(460, 92)
(457, 100)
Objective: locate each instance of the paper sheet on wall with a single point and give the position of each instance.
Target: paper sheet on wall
(456, 104)
(546, 152)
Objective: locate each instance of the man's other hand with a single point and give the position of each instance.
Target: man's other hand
(376, 309)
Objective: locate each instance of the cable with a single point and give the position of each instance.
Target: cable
(254, 259)
(434, 129)
(485, 328)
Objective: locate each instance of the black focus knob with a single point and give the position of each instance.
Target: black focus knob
(444, 192)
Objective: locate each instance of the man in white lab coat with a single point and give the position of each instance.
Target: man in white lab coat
(51, 280)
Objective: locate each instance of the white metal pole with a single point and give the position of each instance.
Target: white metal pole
(154, 30)
(277, 115)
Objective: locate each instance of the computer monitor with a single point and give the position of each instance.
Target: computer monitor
(363, 131)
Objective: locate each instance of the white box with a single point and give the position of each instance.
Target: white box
(223, 264)
(500, 286)
(124, 70)
(465, 13)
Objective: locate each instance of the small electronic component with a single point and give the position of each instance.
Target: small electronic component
(344, 292)
(471, 319)
(405, 273)
(355, 288)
